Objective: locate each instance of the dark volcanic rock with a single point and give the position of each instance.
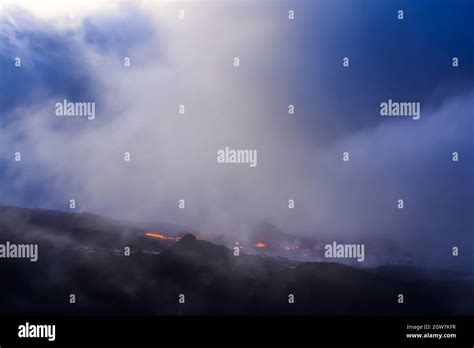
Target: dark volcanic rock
(83, 254)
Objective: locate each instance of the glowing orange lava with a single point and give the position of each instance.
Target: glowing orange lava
(160, 236)
(155, 235)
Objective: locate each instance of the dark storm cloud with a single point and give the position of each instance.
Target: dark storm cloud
(54, 66)
(52, 62)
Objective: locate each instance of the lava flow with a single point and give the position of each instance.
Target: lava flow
(160, 236)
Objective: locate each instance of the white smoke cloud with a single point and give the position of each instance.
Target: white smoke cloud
(173, 156)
